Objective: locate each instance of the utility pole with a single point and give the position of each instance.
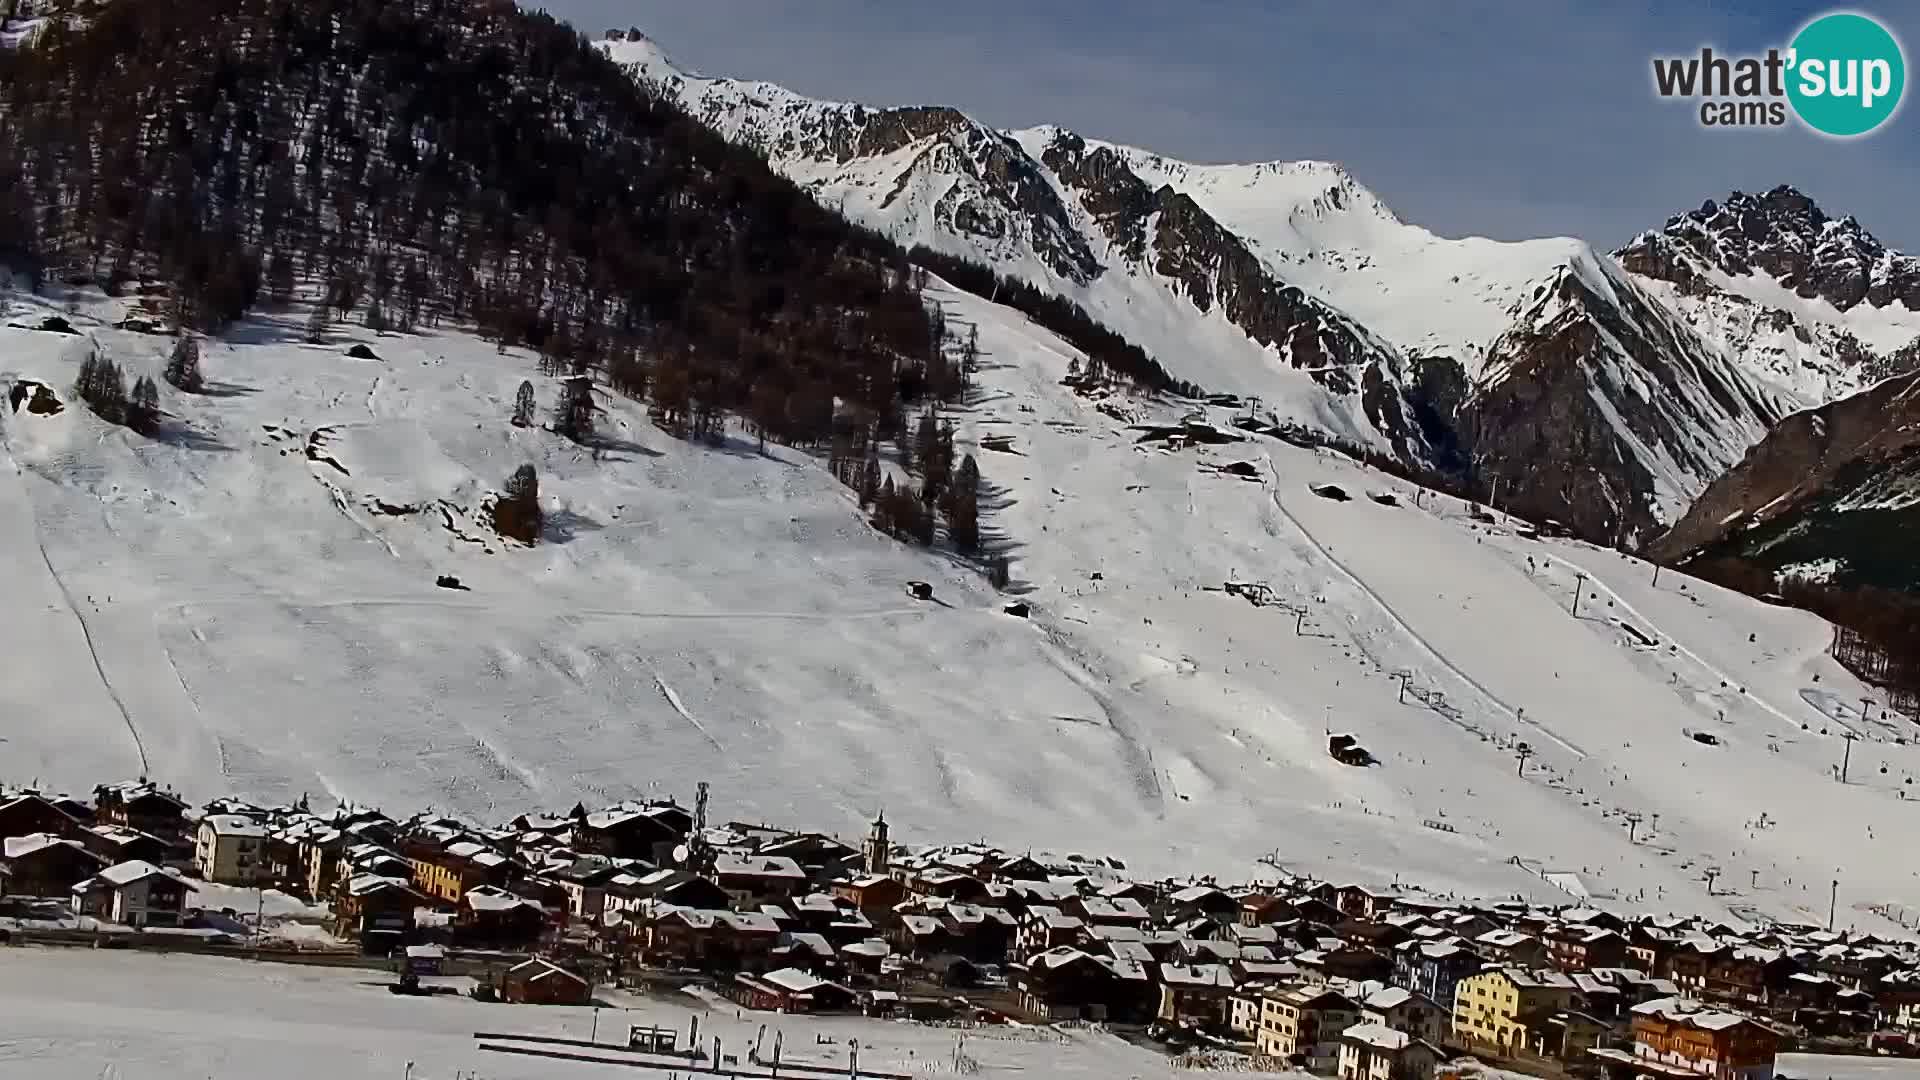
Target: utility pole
(1656, 575)
(1866, 709)
(1579, 583)
(1846, 759)
(1403, 676)
(1523, 752)
(1833, 902)
(1713, 872)
(1754, 883)
(1633, 825)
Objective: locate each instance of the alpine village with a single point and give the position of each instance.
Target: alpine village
(651, 896)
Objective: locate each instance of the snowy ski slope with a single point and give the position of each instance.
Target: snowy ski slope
(258, 590)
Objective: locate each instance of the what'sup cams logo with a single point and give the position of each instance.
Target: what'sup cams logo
(1842, 75)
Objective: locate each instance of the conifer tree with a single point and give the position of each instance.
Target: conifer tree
(523, 405)
(926, 435)
(183, 366)
(573, 412)
(962, 507)
(517, 514)
(143, 408)
(102, 386)
(884, 506)
(870, 476)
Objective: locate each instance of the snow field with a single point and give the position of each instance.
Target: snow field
(73, 1014)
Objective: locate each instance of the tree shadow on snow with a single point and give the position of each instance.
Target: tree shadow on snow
(565, 526)
(175, 433)
(226, 390)
(744, 448)
(605, 445)
(267, 328)
(995, 542)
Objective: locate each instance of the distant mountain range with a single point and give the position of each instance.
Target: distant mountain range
(1606, 391)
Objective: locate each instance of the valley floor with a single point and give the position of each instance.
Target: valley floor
(70, 1014)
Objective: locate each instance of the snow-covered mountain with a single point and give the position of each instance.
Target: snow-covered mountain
(1072, 218)
(1317, 226)
(1601, 408)
(1292, 282)
(1812, 304)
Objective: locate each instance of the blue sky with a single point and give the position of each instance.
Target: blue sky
(1508, 119)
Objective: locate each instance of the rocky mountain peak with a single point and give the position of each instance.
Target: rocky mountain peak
(1782, 234)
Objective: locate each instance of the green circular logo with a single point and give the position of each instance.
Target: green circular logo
(1847, 74)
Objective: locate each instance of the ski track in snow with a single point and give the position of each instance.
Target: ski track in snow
(520, 611)
(673, 699)
(73, 607)
(1412, 635)
(1146, 775)
(1679, 647)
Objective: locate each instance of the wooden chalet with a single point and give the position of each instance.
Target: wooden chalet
(376, 911)
(48, 866)
(875, 896)
(142, 806)
(117, 844)
(1260, 909)
(1068, 984)
(1511, 948)
(1582, 948)
(646, 831)
(790, 990)
(708, 940)
(1108, 911)
(1200, 902)
(1045, 928)
(751, 879)
(24, 813)
(1683, 1039)
(1195, 995)
(820, 857)
(491, 917)
(542, 982)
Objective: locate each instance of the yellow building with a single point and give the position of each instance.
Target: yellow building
(230, 849)
(1305, 1024)
(1497, 1008)
(448, 874)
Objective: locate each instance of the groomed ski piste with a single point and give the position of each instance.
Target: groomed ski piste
(248, 605)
